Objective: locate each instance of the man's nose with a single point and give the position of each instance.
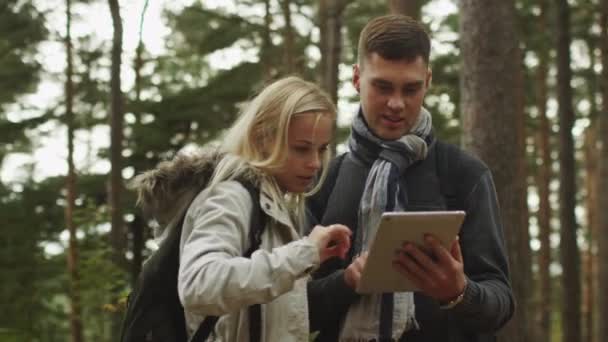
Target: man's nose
(396, 103)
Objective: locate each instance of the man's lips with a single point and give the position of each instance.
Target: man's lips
(392, 122)
(393, 118)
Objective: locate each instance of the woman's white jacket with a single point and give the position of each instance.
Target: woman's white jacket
(214, 278)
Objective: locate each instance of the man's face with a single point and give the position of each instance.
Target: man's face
(391, 93)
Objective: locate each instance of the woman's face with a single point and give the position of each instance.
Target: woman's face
(308, 135)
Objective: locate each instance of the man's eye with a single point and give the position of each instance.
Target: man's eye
(412, 90)
(384, 88)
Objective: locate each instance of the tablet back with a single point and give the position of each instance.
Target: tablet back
(395, 228)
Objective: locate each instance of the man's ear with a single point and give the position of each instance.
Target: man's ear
(429, 78)
(356, 77)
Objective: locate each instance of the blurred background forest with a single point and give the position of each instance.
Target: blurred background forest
(93, 92)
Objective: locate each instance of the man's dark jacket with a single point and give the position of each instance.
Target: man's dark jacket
(448, 179)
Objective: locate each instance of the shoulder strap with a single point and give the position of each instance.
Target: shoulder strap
(257, 223)
(317, 203)
(446, 166)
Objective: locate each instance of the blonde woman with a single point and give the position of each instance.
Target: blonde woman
(278, 144)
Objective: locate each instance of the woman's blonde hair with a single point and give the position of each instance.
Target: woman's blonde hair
(259, 138)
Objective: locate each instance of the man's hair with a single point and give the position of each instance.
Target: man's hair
(394, 37)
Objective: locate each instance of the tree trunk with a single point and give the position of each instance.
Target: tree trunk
(266, 51)
(591, 157)
(493, 116)
(544, 176)
(72, 255)
(117, 233)
(569, 253)
(138, 225)
(412, 8)
(116, 138)
(288, 38)
(589, 294)
(330, 25)
(602, 211)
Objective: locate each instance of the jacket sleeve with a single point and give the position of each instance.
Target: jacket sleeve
(328, 298)
(214, 278)
(488, 300)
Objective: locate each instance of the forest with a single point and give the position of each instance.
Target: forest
(94, 92)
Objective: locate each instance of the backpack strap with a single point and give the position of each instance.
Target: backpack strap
(257, 224)
(446, 167)
(317, 203)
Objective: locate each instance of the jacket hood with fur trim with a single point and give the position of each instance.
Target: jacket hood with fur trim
(167, 190)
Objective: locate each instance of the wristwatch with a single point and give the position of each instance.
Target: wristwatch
(452, 303)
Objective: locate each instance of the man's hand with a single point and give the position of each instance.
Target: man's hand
(352, 274)
(332, 240)
(439, 275)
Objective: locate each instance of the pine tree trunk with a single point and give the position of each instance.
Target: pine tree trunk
(591, 179)
(288, 39)
(330, 25)
(117, 233)
(138, 225)
(492, 120)
(266, 51)
(602, 209)
(412, 8)
(116, 138)
(72, 255)
(543, 180)
(589, 296)
(569, 253)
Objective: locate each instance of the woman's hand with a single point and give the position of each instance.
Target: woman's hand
(352, 274)
(332, 241)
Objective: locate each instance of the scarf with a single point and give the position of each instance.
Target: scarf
(383, 192)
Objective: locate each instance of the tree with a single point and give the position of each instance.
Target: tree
(603, 178)
(288, 38)
(330, 25)
(116, 132)
(570, 259)
(544, 175)
(21, 29)
(117, 234)
(412, 8)
(72, 255)
(138, 225)
(492, 109)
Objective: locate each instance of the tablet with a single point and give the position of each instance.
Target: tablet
(395, 228)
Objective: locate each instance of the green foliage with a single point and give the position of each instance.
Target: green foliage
(356, 15)
(21, 28)
(203, 31)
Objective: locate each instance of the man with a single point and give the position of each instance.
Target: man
(396, 164)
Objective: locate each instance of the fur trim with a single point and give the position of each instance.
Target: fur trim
(163, 190)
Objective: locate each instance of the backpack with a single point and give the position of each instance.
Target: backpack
(154, 312)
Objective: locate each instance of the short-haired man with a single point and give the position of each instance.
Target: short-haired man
(396, 164)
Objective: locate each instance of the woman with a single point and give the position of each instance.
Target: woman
(280, 143)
